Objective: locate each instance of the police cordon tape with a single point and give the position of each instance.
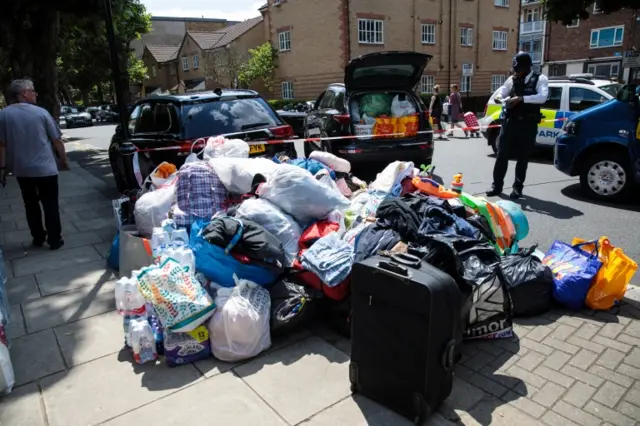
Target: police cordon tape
(201, 142)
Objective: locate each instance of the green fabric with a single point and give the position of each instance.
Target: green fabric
(375, 104)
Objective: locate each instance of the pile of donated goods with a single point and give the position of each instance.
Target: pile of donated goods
(218, 257)
(384, 114)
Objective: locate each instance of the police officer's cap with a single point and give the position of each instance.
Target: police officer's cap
(522, 61)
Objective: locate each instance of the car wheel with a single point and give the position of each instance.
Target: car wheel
(492, 139)
(69, 125)
(605, 176)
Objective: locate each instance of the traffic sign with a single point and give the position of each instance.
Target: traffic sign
(631, 59)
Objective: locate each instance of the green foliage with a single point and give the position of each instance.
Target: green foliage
(137, 69)
(261, 64)
(566, 11)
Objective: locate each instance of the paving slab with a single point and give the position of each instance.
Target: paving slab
(494, 412)
(360, 411)
(72, 240)
(15, 328)
(222, 400)
(90, 338)
(93, 205)
(95, 223)
(103, 389)
(54, 260)
(299, 380)
(22, 289)
(103, 249)
(22, 407)
(88, 274)
(62, 308)
(35, 356)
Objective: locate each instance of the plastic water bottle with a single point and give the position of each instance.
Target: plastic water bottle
(159, 242)
(143, 341)
(180, 237)
(129, 301)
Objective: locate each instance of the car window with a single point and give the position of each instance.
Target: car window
(555, 99)
(166, 119)
(611, 89)
(144, 123)
(338, 101)
(133, 118)
(581, 99)
(327, 100)
(220, 117)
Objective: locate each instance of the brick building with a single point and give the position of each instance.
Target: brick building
(595, 45)
(533, 27)
(162, 65)
(317, 38)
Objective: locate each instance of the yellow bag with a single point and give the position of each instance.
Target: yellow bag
(385, 125)
(610, 284)
(408, 126)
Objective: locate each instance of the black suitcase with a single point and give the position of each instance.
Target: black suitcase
(405, 327)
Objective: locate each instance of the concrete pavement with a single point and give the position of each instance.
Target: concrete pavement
(563, 368)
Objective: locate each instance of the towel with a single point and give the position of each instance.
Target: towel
(329, 258)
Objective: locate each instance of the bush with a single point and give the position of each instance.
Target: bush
(281, 103)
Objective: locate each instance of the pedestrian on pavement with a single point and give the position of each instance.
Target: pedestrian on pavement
(30, 139)
(455, 105)
(522, 93)
(435, 110)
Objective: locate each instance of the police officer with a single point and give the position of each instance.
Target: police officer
(522, 95)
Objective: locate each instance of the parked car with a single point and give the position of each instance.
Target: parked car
(109, 114)
(567, 96)
(295, 116)
(75, 116)
(334, 114)
(179, 120)
(602, 146)
(93, 110)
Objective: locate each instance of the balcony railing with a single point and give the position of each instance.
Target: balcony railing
(528, 2)
(531, 27)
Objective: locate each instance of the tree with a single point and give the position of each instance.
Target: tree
(224, 65)
(261, 64)
(566, 11)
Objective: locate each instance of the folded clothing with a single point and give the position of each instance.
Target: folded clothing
(329, 258)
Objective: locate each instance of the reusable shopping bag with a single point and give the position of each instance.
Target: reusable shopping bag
(573, 272)
(385, 125)
(408, 126)
(180, 301)
(611, 281)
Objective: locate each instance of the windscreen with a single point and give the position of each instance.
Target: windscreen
(611, 89)
(218, 117)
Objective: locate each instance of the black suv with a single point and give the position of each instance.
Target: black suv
(390, 73)
(179, 120)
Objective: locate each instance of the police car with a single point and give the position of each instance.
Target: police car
(567, 96)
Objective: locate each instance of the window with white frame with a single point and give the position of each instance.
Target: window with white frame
(370, 31)
(532, 15)
(606, 37)
(574, 24)
(605, 70)
(185, 63)
(501, 3)
(466, 36)
(284, 39)
(500, 40)
(428, 34)
(596, 8)
(465, 81)
(497, 81)
(196, 62)
(427, 83)
(287, 90)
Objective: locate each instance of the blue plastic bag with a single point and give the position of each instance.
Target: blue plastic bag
(219, 267)
(573, 272)
(113, 258)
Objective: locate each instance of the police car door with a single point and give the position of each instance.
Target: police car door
(549, 129)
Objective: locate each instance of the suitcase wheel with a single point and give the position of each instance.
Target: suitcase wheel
(422, 409)
(353, 377)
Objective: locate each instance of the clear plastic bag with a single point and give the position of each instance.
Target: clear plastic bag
(274, 220)
(298, 193)
(152, 208)
(236, 174)
(401, 106)
(239, 328)
(223, 147)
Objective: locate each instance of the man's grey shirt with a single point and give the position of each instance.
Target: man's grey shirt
(28, 131)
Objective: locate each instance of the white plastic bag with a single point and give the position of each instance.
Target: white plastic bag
(332, 161)
(239, 328)
(223, 147)
(158, 181)
(274, 220)
(236, 174)
(324, 178)
(388, 178)
(401, 106)
(7, 377)
(152, 208)
(298, 193)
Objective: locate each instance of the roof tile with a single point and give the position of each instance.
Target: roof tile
(163, 52)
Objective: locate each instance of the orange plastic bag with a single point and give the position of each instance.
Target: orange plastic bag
(611, 282)
(407, 125)
(385, 125)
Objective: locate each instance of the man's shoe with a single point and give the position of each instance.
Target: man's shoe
(56, 245)
(37, 243)
(493, 191)
(516, 193)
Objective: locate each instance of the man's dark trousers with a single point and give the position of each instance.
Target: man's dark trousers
(518, 139)
(36, 190)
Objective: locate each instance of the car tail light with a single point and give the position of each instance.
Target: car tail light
(343, 119)
(285, 131)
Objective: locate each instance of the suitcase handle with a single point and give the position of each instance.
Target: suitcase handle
(392, 267)
(448, 355)
(407, 259)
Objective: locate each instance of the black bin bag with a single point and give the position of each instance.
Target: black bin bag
(529, 282)
(292, 307)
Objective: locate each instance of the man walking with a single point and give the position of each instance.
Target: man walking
(523, 93)
(30, 140)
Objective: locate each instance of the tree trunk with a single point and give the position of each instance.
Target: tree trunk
(85, 98)
(100, 94)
